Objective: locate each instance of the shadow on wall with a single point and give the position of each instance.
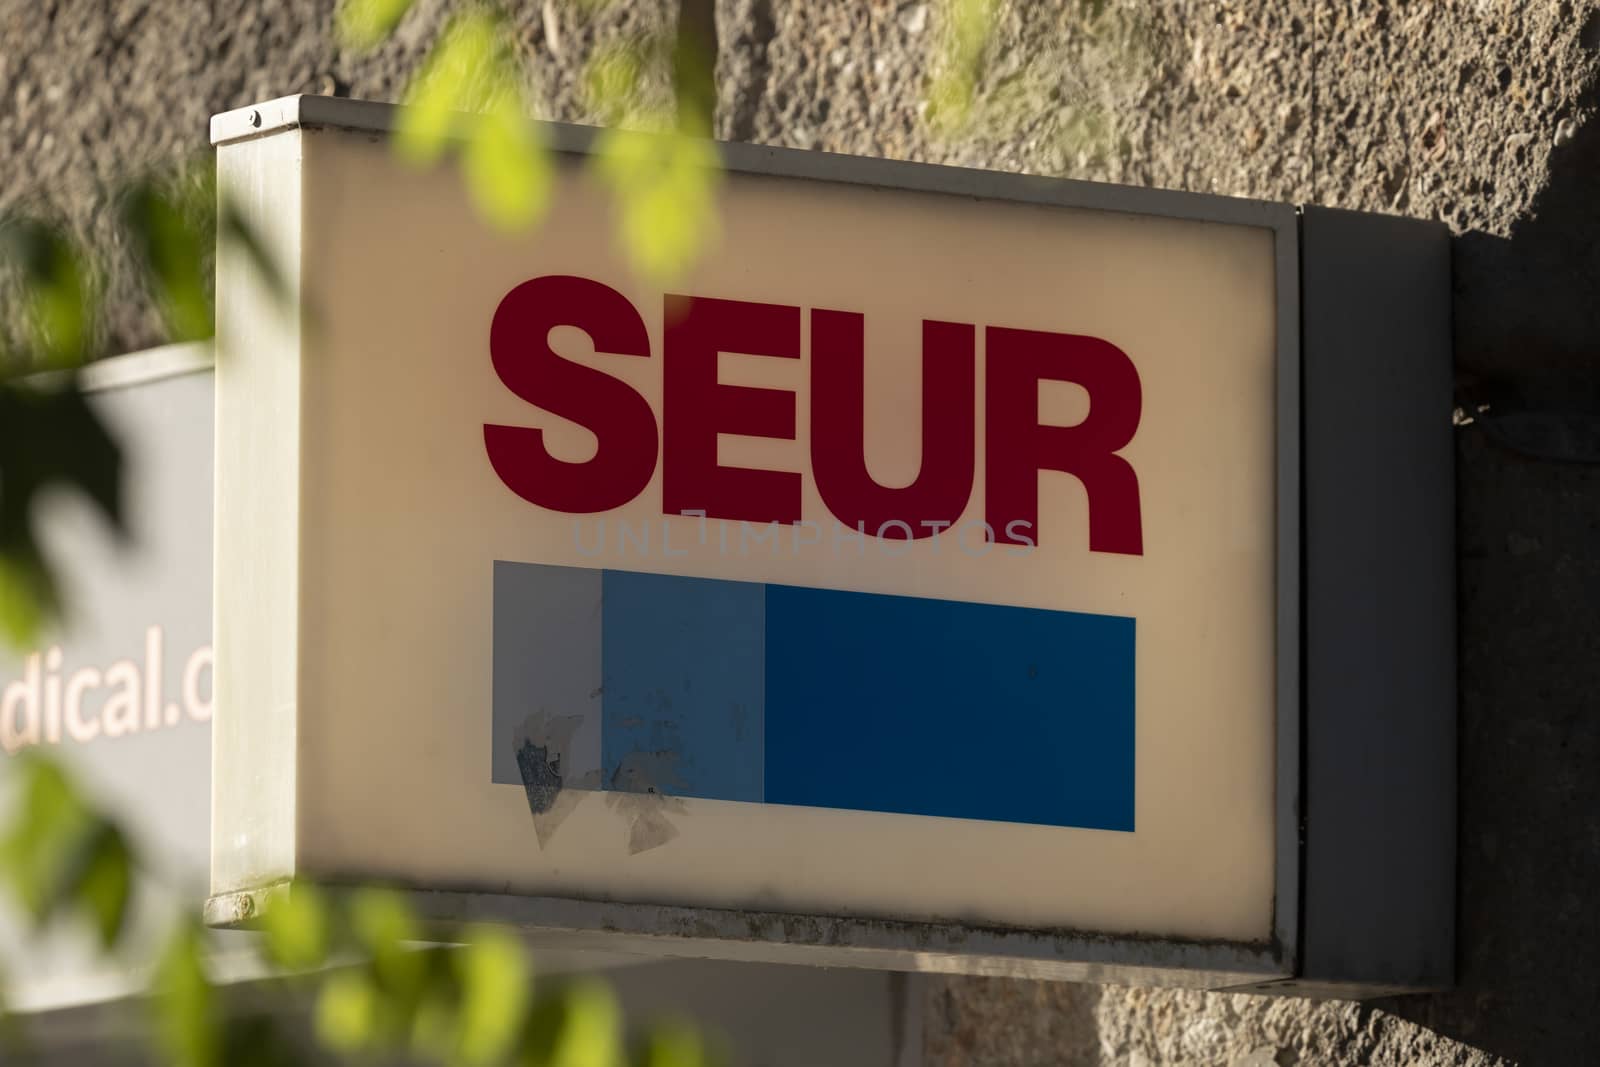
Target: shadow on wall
(1527, 341)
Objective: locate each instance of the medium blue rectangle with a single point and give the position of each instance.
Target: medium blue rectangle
(683, 686)
(938, 707)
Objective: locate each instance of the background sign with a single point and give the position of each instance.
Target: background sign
(915, 558)
(122, 696)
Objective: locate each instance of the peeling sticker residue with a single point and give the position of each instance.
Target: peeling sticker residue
(649, 829)
(646, 772)
(635, 793)
(541, 776)
(634, 790)
(544, 747)
(645, 816)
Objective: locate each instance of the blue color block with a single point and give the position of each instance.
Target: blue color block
(684, 680)
(938, 707)
(785, 695)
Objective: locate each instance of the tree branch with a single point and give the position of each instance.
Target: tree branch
(694, 66)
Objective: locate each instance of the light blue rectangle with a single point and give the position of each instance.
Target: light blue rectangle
(546, 669)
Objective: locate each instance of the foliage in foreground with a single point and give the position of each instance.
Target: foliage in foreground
(355, 962)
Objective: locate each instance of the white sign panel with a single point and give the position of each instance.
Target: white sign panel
(121, 694)
(915, 558)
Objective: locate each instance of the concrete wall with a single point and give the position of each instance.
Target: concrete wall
(1477, 112)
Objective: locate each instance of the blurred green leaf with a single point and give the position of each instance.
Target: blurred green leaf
(966, 30)
(387, 929)
(434, 1021)
(365, 24)
(236, 230)
(507, 168)
(39, 845)
(259, 1041)
(402, 995)
(496, 983)
(175, 243)
(672, 1044)
(188, 1028)
(694, 60)
(470, 90)
(55, 292)
(348, 1008)
(50, 437)
(60, 856)
(579, 1026)
(463, 74)
(298, 927)
(613, 82)
(665, 185)
(106, 882)
(662, 168)
(29, 599)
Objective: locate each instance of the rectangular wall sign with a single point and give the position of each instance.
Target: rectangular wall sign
(924, 556)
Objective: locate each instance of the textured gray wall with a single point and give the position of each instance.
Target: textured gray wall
(1472, 111)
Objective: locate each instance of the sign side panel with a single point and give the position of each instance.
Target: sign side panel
(257, 597)
(1380, 603)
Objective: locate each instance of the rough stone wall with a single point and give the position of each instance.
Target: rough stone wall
(1477, 112)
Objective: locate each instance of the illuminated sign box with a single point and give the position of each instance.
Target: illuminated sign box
(915, 583)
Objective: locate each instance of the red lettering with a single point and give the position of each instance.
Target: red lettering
(697, 408)
(939, 494)
(519, 345)
(700, 407)
(1017, 447)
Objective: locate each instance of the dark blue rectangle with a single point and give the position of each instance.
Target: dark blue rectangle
(938, 707)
